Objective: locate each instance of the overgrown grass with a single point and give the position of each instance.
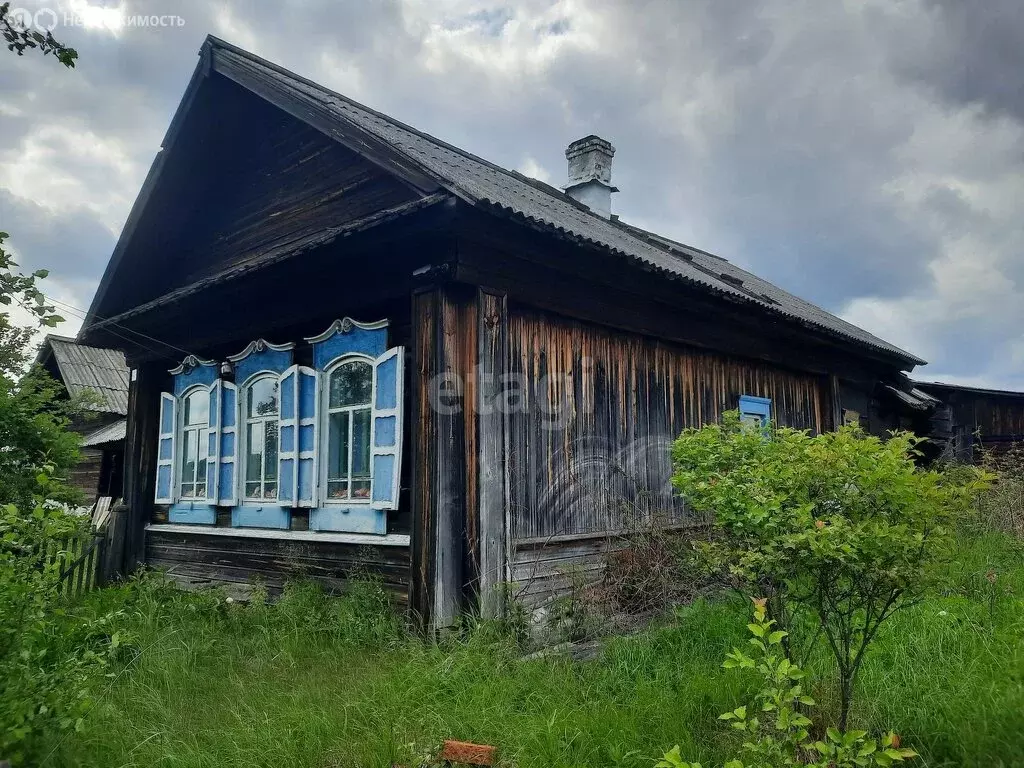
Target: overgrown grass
(317, 682)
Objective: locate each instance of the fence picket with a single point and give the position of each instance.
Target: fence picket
(78, 561)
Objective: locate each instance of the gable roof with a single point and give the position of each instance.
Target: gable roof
(82, 368)
(429, 164)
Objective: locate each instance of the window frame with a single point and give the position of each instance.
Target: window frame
(242, 420)
(753, 406)
(324, 449)
(202, 446)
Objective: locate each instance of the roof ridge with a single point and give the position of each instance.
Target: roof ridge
(218, 42)
(537, 183)
(481, 182)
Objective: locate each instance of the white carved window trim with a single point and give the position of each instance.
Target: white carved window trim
(243, 420)
(325, 426)
(202, 446)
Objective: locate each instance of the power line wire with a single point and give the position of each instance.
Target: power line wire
(84, 314)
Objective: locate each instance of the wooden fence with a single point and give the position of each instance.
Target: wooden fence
(82, 562)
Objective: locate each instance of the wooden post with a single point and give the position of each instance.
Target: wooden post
(439, 461)
(113, 546)
(140, 459)
(837, 402)
(492, 366)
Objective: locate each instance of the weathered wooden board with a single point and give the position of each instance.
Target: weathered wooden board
(597, 411)
(242, 560)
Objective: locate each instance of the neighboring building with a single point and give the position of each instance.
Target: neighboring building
(103, 373)
(968, 419)
(522, 361)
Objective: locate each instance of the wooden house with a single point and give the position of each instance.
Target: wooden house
(104, 374)
(357, 348)
(966, 420)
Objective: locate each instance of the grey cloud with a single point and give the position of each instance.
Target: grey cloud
(73, 244)
(770, 134)
(970, 53)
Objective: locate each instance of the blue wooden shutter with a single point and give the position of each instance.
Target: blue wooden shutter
(386, 441)
(166, 453)
(288, 425)
(227, 484)
(755, 408)
(307, 400)
(213, 443)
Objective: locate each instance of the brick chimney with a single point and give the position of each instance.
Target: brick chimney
(590, 173)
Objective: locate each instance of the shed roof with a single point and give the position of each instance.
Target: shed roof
(95, 369)
(108, 434)
(487, 185)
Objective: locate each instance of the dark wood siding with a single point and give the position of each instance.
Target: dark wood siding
(242, 560)
(85, 475)
(589, 446)
(972, 418)
(250, 182)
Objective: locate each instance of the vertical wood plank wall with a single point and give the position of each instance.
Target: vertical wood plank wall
(540, 439)
(589, 445)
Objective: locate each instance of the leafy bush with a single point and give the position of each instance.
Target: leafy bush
(50, 664)
(838, 530)
(774, 725)
(1001, 506)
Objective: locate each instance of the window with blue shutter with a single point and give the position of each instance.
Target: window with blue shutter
(165, 450)
(356, 435)
(228, 454)
(195, 413)
(283, 436)
(756, 411)
(260, 499)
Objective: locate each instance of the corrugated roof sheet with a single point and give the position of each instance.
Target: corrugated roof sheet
(102, 371)
(479, 181)
(114, 432)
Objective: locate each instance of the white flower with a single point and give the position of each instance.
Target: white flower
(941, 613)
(231, 600)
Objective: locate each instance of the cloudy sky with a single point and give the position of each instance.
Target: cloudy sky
(868, 156)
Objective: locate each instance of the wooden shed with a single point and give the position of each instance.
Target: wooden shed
(357, 348)
(104, 374)
(966, 420)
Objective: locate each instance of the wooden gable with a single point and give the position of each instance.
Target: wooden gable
(242, 179)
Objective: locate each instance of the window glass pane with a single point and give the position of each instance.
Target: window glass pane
(270, 446)
(351, 384)
(190, 445)
(252, 490)
(197, 408)
(187, 490)
(360, 489)
(337, 446)
(360, 444)
(200, 490)
(254, 451)
(337, 489)
(270, 491)
(201, 475)
(263, 397)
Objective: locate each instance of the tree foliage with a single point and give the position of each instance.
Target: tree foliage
(837, 530)
(20, 38)
(51, 665)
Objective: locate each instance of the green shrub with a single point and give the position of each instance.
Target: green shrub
(50, 664)
(774, 726)
(837, 530)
